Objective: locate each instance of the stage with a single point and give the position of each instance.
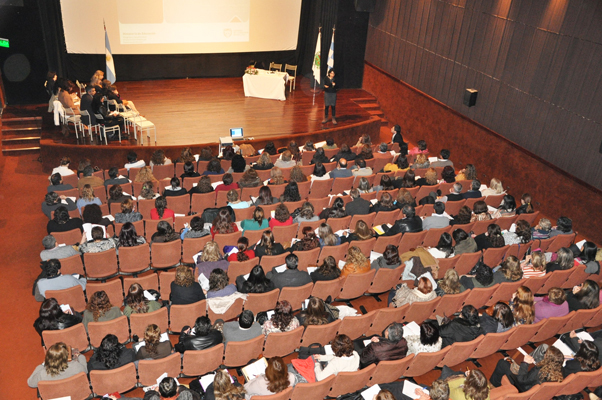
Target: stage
(197, 112)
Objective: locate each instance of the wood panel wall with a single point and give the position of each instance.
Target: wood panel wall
(536, 65)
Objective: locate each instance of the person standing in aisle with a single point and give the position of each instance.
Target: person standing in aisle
(330, 96)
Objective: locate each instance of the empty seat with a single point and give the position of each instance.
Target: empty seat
(314, 390)
(356, 285)
(201, 362)
(349, 382)
(296, 295)
(116, 380)
(354, 327)
(322, 334)
(238, 354)
(76, 387)
(257, 302)
(74, 296)
(183, 315)
(281, 344)
(139, 322)
(166, 255)
(134, 259)
(390, 371)
(101, 265)
(150, 370)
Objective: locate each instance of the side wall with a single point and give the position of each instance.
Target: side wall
(555, 193)
(535, 63)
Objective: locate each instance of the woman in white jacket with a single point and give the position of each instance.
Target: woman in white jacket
(423, 292)
(345, 359)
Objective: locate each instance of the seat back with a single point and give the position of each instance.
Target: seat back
(494, 256)
(555, 279)
(232, 312)
(118, 327)
(384, 317)
(504, 291)
(580, 319)
(225, 239)
(192, 246)
(551, 327)
(112, 288)
(257, 302)
(314, 390)
(163, 171)
(74, 336)
(466, 262)
(296, 295)
(320, 188)
(411, 240)
(365, 246)
(461, 352)
(201, 362)
(420, 311)
(385, 279)
(356, 285)
(150, 370)
(101, 265)
(73, 296)
(322, 334)
(201, 201)
(134, 259)
(186, 314)
(522, 334)
(238, 268)
(166, 255)
(323, 289)
(452, 304)
(478, 297)
(165, 280)
(349, 382)
(281, 344)
(307, 258)
(69, 237)
(284, 234)
(338, 252)
(354, 327)
(115, 380)
(149, 281)
(390, 371)
(383, 241)
(179, 204)
(561, 241)
(269, 262)
(491, 343)
(76, 387)
(240, 353)
(425, 362)
(139, 322)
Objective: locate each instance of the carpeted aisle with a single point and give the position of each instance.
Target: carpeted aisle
(22, 227)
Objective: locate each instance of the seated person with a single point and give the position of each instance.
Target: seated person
(275, 379)
(228, 183)
(98, 243)
(491, 239)
(276, 177)
(361, 232)
(265, 197)
(282, 320)
(564, 226)
(336, 211)
(60, 362)
(437, 219)
(285, 160)
(62, 221)
(52, 317)
(356, 262)
(218, 284)
(241, 252)
(291, 277)
(234, 201)
(392, 346)
(464, 328)
(474, 192)
(319, 157)
(255, 283)
(428, 341)
(421, 162)
(357, 205)
(203, 186)
(390, 259)
(501, 319)
(100, 309)
(258, 222)
(56, 183)
(189, 171)
(267, 246)
(116, 195)
(175, 189)
(210, 259)
(291, 193)
(482, 278)
(542, 229)
(264, 162)
(184, 290)
(153, 348)
(133, 161)
(473, 386)
(137, 303)
(165, 233)
(238, 164)
(328, 271)
(127, 213)
(421, 293)
(244, 329)
(87, 197)
(159, 158)
(316, 313)
(250, 179)
(429, 179)
(384, 204)
(196, 229)
(223, 222)
(309, 241)
(341, 170)
(443, 159)
(89, 179)
(344, 359)
(53, 250)
(282, 216)
(409, 223)
(344, 153)
(63, 168)
(56, 281)
(110, 355)
(362, 169)
(214, 168)
(420, 149)
(148, 191)
(53, 200)
(161, 211)
(115, 178)
(464, 242)
(319, 173)
(202, 336)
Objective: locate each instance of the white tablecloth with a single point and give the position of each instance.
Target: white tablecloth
(266, 84)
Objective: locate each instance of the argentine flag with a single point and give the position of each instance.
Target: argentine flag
(330, 61)
(109, 57)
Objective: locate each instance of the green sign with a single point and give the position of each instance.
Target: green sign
(4, 43)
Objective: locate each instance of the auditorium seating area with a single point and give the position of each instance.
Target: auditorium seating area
(151, 266)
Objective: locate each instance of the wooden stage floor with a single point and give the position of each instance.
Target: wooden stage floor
(198, 111)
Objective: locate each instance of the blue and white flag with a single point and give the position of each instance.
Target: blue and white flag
(109, 57)
(330, 61)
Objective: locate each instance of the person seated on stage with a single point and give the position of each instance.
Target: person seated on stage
(228, 183)
(63, 168)
(65, 97)
(206, 154)
(285, 160)
(250, 179)
(203, 186)
(421, 149)
(112, 93)
(276, 177)
(234, 201)
(158, 158)
(189, 171)
(214, 167)
(264, 162)
(133, 161)
(161, 211)
(148, 191)
(341, 170)
(56, 183)
(175, 189)
(282, 216)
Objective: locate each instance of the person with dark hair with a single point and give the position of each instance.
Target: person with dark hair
(319, 157)
(200, 337)
(464, 242)
(500, 320)
(282, 216)
(189, 171)
(52, 317)
(110, 355)
(100, 309)
(587, 358)
(336, 211)
(344, 152)
(206, 154)
(330, 96)
(116, 195)
(357, 205)
(421, 148)
(62, 222)
(309, 240)
(401, 164)
(184, 290)
(361, 168)
(315, 313)
(428, 341)
(161, 211)
(449, 175)
(509, 271)
(390, 259)
(467, 174)
(526, 207)
(491, 239)
(267, 246)
(203, 186)
(341, 171)
(196, 229)
(408, 180)
(56, 183)
(397, 137)
(244, 329)
(133, 162)
(444, 248)
(219, 285)
(391, 346)
(291, 277)
(238, 164)
(175, 189)
(60, 362)
(214, 167)
(137, 303)
(386, 203)
(250, 179)
(228, 184)
(474, 191)
(158, 158)
(165, 233)
(443, 159)
(464, 328)
(588, 258)
(242, 251)
(255, 283)
(265, 197)
(584, 297)
(128, 237)
(282, 320)
(275, 379)
(327, 271)
(53, 200)
(482, 278)
(409, 223)
(89, 179)
(344, 359)
(270, 148)
(438, 219)
(115, 178)
(564, 226)
(506, 209)
(54, 280)
(291, 193)
(319, 173)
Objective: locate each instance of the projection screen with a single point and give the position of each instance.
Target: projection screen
(181, 26)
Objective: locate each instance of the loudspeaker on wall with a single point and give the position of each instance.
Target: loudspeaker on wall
(470, 97)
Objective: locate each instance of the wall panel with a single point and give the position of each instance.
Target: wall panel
(536, 64)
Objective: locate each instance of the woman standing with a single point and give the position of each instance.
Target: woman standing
(330, 96)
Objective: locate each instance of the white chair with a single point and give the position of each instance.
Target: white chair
(90, 127)
(145, 126)
(82, 88)
(110, 129)
(67, 116)
(292, 79)
(275, 67)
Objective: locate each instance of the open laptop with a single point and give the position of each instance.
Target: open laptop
(236, 134)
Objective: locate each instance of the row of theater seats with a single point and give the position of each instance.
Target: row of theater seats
(196, 363)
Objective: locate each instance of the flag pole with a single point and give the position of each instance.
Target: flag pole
(313, 101)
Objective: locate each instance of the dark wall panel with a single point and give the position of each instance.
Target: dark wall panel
(536, 64)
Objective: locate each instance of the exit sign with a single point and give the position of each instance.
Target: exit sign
(4, 42)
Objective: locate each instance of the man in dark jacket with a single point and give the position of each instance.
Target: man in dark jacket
(474, 192)
(463, 328)
(455, 193)
(392, 347)
(410, 223)
(291, 277)
(357, 206)
(204, 336)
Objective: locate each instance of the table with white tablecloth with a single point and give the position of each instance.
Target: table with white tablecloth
(266, 84)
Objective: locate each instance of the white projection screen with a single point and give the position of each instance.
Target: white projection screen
(181, 26)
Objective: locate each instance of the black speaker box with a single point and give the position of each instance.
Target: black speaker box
(470, 97)
(364, 5)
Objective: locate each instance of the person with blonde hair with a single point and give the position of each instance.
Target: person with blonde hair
(522, 305)
(263, 163)
(495, 188)
(423, 292)
(234, 201)
(87, 197)
(210, 259)
(60, 362)
(421, 162)
(474, 386)
(276, 177)
(146, 174)
(534, 265)
(450, 284)
(153, 347)
(222, 387)
(285, 160)
(356, 262)
(510, 271)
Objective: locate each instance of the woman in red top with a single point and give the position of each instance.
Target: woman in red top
(244, 253)
(281, 217)
(161, 211)
(223, 223)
